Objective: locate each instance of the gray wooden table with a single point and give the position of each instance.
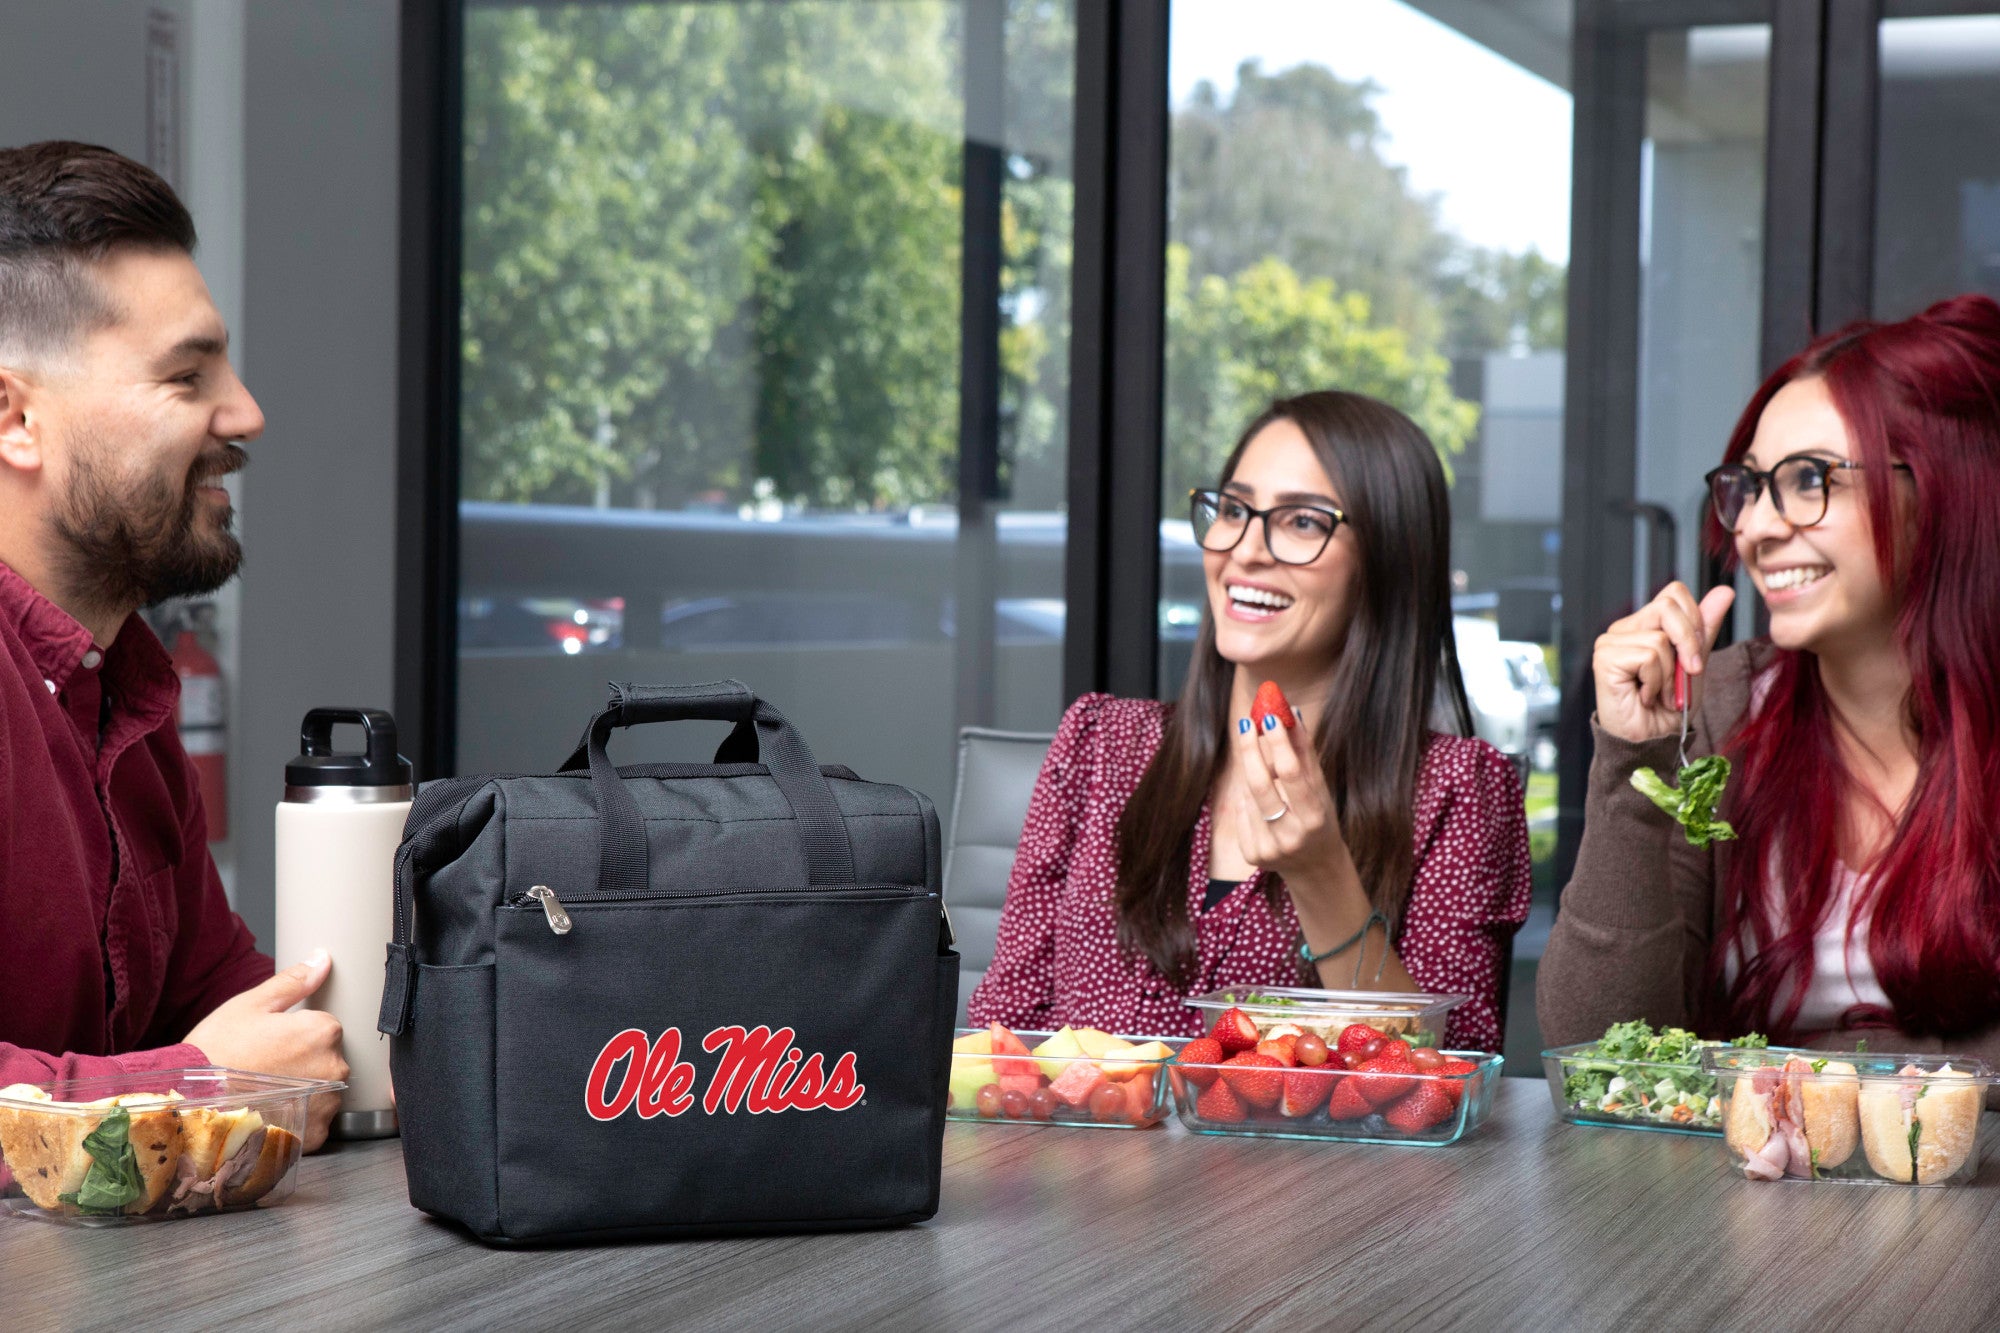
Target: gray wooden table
(1528, 1224)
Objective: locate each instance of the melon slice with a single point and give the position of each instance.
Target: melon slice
(1136, 1059)
(1056, 1053)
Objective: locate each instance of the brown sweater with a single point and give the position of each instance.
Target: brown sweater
(1637, 919)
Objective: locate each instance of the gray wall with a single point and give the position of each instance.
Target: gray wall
(289, 159)
(318, 525)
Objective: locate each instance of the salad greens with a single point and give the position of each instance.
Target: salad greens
(1693, 802)
(1634, 1073)
(113, 1179)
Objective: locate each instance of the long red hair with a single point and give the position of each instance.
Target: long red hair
(1925, 392)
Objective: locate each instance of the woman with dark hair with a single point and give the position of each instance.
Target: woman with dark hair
(1176, 849)
(1861, 493)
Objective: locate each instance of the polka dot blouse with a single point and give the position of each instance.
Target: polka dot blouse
(1057, 959)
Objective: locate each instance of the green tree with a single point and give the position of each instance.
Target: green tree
(1290, 167)
(599, 308)
(713, 244)
(1235, 344)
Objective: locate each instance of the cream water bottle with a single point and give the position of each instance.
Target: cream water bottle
(338, 829)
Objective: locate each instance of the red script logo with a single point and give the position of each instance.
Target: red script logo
(760, 1071)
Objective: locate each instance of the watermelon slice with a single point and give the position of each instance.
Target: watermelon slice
(1077, 1082)
(1006, 1043)
(1139, 1092)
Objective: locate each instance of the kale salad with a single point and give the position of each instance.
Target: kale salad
(1635, 1076)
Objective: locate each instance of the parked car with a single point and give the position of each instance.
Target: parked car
(1514, 702)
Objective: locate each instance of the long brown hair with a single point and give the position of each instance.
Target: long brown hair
(1374, 722)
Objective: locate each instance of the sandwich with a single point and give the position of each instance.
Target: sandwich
(1795, 1119)
(1923, 1126)
(140, 1153)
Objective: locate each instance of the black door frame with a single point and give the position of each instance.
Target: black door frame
(1819, 228)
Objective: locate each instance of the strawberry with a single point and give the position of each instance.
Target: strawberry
(1280, 1049)
(1200, 1051)
(1429, 1105)
(1271, 702)
(1354, 1036)
(1235, 1031)
(1283, 1030)
(1255, 1078)
(1347, 1102)
(1398, 1051)
(1451, 1074)
(1306, 1090)
(1384, 1087)
(1219, 1103)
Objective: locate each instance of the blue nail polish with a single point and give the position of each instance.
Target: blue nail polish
(1270, 721)
(1243, 726)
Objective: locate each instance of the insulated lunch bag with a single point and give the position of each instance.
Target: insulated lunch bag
(671, 998)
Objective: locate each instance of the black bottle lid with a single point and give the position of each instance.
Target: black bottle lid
(317, 765)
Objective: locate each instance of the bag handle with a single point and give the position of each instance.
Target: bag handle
(624, 862)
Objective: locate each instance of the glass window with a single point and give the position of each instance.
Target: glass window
(712, 344)
(1937, 170)
(1364, 197)
(1701, 281)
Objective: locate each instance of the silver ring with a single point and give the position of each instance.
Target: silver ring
(1283, 810)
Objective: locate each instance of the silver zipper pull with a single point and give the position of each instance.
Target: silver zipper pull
(559, 921)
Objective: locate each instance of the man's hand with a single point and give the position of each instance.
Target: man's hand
(255, 1032)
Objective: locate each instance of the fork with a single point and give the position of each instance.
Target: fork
(1681, 702)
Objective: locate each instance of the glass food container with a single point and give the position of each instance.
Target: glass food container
(148, 1147)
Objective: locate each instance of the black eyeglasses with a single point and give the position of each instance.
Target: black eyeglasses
(1293, 534)
(1800, 485)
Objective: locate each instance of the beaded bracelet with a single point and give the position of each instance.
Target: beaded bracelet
(1311, 959)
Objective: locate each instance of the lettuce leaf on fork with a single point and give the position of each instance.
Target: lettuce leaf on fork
(1693, 803)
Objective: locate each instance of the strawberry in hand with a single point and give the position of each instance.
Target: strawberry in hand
(1271, 702)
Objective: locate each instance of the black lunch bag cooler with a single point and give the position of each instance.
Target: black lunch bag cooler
(671, 999)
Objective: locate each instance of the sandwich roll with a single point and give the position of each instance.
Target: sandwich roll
(276, 1154)
(1830, 1102)
(1921, 1128)
(1749, 1128)
(43, 1150)
(233, 1158)
(1793, 1119)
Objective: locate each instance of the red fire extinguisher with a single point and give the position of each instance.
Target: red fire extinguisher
(201, 726)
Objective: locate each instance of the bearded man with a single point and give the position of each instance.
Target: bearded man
(120, 415)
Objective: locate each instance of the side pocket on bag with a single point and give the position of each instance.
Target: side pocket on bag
(944, 1016)
(443, 1067)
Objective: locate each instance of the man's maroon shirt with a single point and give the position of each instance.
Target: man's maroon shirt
(115, 935)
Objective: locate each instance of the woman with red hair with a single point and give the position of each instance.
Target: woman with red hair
(1861, 894)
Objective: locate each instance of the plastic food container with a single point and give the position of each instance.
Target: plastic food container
(1064, 1085)
(1852, 1118)
(1344, 1105)
(1589, 1089)
(151, 1147)
(1417, 1018)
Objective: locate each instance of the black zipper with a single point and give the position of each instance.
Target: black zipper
(543, 898)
